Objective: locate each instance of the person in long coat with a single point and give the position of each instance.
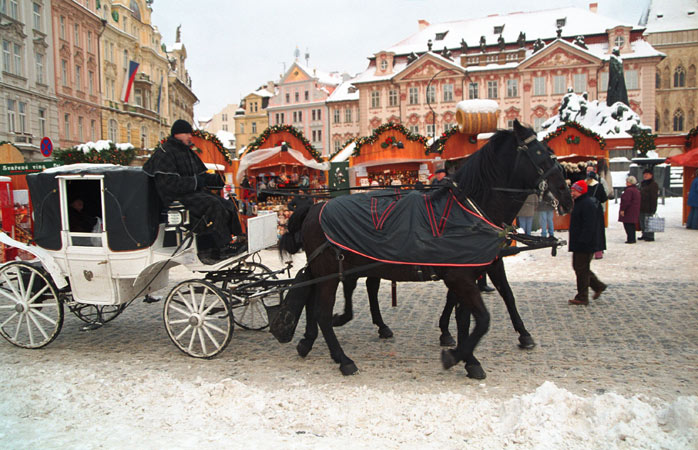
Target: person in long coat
(584, 242)
(596, 190)
(692, 221)
(180, 175)
(649, 194)
(629, 212)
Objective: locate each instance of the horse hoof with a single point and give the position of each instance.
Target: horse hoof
(283, 327)
(385, 332)
(526, 342)
(339, 320)
(303, 348)
(349, 369)
(475, 371)
(448, 359)
(446, 340)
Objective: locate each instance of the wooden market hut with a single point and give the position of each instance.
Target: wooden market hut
(390, 152)
(214, 153)
(689, 161)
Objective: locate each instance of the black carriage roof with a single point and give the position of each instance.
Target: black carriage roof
(131, 205)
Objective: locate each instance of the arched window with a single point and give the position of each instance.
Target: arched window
(680, 77)
(678, 120)
(135, 10)
(111, 130)
(658, 81)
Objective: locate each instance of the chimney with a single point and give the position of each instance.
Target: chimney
(593, 7)
(423, 24)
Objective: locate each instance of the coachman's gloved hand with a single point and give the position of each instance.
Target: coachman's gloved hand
(214, 181)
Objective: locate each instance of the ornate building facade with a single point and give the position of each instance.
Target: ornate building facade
(27, 83)
(672, 28)
(524, 61)
(76, 32)
(180, 94)
(343, 108)
(251, 117)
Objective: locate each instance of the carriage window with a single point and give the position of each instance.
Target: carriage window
(84, 212)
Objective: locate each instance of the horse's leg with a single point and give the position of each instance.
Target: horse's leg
(469, 301)
(446, 339)
(349, 284)
(372, 286)
(324, 302)
(311, 331)
(499, 278)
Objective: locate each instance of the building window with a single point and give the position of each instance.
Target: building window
(128, 133)
(242, 128)
(619, 41)
(224, 117)
(580, 82)
(559, 82)
(431, 95)
(6, 57)
(66, 125)
(336, 116)
(89, 41)
(22, 117)
(538, 123)
(680, 77)
(42, 122)
(225, 127)
(13, 8)
(492, 91)
(306, 95)
(312, 112)
(414, 129)
(448, 92)
(138, 97)
(144, 137)
(76, 42)
(78, 78)
(39, 67)
(678, 120)
(126, 60)
(375, 99)
(111, 130)
(36, 13)
(337, 146)
(384, 65)
(657, 81)
(631, 81)
(430, 129)
(392, 97)
(18, 59)
(288, 97)
(414, 95)
(603, 82)
(80, 131)
(319, 114)
(11, 115)
(538, 85)
(473, 91)
(297, 96)
(254, 127)
(91, 82)
(61, 28)
(512, 87)
(448, 126)
(93, 128)
(347, 115)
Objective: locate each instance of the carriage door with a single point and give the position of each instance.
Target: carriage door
(82, 207)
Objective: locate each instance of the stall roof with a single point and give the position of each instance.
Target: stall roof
(345, 153)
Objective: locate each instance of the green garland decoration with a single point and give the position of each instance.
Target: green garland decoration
(438, 146)
(582, 129)
(212, 138)
(262, 138)
(360, 142)
(112, 155)
(572, 140)
(690, 135)
(643, 140)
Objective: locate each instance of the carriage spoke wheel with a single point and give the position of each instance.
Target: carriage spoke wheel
(198, 318)
(251, 313)
(31, 313)
(97, 314)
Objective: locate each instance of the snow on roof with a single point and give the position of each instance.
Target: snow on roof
(672, 15)
(333, 78)
(227, 138)
(343, 94)
(344, 153)
(263, 93)
(102, 145)
(607, 121)
(368, 75)
(477, 106)
(175, 46)
(535, 24)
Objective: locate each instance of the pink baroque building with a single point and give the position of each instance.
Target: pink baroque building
(76, 32)
(524, 61)
(300, 101)
(343, 108)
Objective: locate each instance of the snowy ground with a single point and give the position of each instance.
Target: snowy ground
(126, 386)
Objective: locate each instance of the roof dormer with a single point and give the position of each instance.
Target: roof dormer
(384, 63)
(619, 37)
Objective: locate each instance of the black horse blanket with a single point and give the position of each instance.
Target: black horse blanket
(411, 228)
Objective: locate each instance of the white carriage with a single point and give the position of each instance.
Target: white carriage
(126, 257)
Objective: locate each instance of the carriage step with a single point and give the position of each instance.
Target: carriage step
(149, 299)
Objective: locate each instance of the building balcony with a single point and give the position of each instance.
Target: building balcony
(23, 138)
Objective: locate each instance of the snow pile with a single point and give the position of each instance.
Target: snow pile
(102, 145)
(607, 121)
(477, 106)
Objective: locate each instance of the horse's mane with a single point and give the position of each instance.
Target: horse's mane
(483, 168)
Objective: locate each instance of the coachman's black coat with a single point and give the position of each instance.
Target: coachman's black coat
(584, 228)
(175, 168)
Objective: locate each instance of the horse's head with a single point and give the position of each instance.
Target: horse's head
(536, 168)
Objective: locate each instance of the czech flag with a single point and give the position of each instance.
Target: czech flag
(128, 83)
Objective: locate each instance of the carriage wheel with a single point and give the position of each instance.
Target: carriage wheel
(251, 314)
(97, 314)
(31, 313)
(198, 318)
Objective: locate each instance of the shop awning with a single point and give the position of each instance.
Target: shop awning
(690, 159)
(260, 155)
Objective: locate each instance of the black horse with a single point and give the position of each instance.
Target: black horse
(497, 178)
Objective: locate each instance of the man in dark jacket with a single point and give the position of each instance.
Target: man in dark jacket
(584, 241)
(181, 175)
(649, 193)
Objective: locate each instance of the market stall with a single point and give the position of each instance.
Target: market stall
(689, 161)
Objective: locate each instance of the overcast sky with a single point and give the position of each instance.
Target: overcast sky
(235, 46)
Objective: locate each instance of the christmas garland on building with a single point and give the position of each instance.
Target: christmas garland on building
(690, 135)
(262, 138)
(342, 147)
(110, 155)
(438, 145)
(212, 138)
(582, 129)
(643, 140)
(360, 142)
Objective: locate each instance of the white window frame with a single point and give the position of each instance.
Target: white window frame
(512, 87)
(39, 62)
(392, 97)
(347, 115)
(413, 95)
(375, 99)
(430, 96)
(112, 130)
(559, 84)
(448, 92)
(579, 82)
(539, 86)
(492, 89)
(66, 125)
(11, 115)
(473, 91)
(36, 15)
(42, 122)
(22, 116)
(336, 115)
(631, 79)
(603, 82)
(17, 57)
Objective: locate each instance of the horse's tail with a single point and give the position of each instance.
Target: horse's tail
(292, 241)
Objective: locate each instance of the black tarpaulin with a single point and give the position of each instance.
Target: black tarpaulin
(413, 228)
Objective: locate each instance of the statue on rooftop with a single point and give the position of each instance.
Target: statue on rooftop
(616, 81)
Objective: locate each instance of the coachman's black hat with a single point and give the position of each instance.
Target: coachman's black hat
(181, 126)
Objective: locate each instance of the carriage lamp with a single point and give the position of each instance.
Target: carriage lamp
(175, 217)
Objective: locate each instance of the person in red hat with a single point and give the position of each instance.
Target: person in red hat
(584, 242)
